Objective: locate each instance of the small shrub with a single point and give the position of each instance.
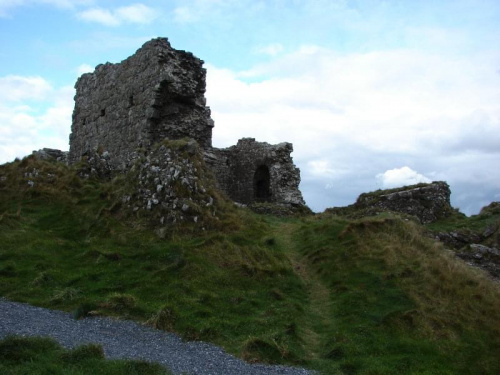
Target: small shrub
(66, 294)
(270, 241)
(42, 278)
(9, 270)
(20, 349)
(82, 353)
(262, 350)
(120, 302)
(277, 294)
(83, 310)
(164, 319)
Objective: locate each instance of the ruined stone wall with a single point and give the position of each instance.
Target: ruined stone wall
(122, 110)
(257, 172)
(427, 202)
(125, 108)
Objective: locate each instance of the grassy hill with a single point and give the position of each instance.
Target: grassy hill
(365, 296)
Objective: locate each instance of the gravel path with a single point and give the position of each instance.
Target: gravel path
(127, 339)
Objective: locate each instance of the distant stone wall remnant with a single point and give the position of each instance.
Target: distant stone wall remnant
(427, 202)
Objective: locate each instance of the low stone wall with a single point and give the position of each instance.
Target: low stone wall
(427, 202)
(254, 171)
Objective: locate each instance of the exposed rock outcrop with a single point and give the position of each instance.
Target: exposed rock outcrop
(478, 242)
(51, 154)
(171, 185)
(487, 258)
(427, 202)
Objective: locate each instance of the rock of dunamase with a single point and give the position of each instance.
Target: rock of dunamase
(122, 110)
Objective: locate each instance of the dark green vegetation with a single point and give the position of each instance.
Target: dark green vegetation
(44, 356)
(398, 302)
(489, 216)
(371, 296)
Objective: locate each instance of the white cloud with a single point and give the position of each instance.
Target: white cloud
(18, 88)
(184, 15)
(195, 10)
(100, 15)
(136, 13)
(401, 177)
(84, 68)
(43, 123)
(320, 167)
(351, 116)
(7, 5)
(270, 49)
(104, 41)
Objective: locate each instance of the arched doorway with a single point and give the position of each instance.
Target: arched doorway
(261, 183)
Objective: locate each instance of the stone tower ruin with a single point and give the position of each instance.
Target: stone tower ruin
(159, 93)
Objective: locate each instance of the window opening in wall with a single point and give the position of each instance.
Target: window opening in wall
(103, 112)
(131, 100)
(261, 183)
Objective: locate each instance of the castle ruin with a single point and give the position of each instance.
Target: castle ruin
(159, 93)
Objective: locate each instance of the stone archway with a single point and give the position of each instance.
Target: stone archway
(262, 184)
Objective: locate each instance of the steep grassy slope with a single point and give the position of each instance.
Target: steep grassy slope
(67, 249)
(344, 297)
(399, 303)
(489, 216)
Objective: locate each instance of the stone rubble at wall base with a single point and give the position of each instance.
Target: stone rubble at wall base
(171, 186)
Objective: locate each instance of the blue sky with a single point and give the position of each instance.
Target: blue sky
(373, 94)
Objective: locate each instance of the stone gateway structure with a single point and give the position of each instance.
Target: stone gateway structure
(257, 172)
(122, 110)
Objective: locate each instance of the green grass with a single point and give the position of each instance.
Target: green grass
(19, 355)
(73, 253)
(372, 296)
(489, 216)
(399, 303)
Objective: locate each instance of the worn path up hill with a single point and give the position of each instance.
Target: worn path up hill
(316, 316)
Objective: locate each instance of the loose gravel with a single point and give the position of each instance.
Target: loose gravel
(123, 339)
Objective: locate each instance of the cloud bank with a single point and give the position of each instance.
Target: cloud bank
(33, 115)
(401, 177)
(356, 118)
(135, 13)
